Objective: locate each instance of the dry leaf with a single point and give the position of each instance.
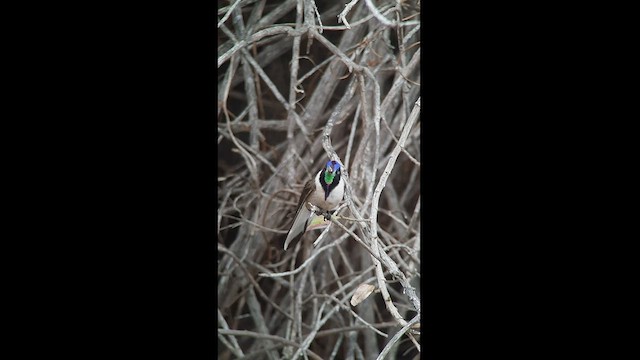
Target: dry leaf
(362, 292)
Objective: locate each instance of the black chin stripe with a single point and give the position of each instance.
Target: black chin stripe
(328, 187)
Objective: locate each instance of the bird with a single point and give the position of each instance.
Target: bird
(325, 191)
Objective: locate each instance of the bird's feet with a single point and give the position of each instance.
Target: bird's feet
(326, 214)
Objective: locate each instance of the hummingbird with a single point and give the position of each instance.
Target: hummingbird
(324, 191)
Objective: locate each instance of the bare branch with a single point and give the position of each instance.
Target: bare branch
(268, 337)
(397, 337)
(293, 92)
(226, 16)
(276, 30)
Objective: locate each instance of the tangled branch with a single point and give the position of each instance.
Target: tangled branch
(296, 91)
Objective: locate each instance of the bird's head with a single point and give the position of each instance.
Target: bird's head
(333, 168)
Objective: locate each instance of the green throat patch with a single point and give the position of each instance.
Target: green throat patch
(328, 177)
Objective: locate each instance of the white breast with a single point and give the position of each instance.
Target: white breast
(317, 197)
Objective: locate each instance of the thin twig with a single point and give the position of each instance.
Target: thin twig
(374, 205)
(258, 319)
(397, 337)
(234, 346)
(357, 238)
(355, 315)
(293, 83)
(334, 352)
(342, 17)
(276, 30)
(386, 21)
(253, 281)
(226, 16)
(267, 337)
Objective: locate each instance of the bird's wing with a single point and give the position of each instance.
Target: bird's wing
(302, 215)
(299, 226)
(308, 189)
